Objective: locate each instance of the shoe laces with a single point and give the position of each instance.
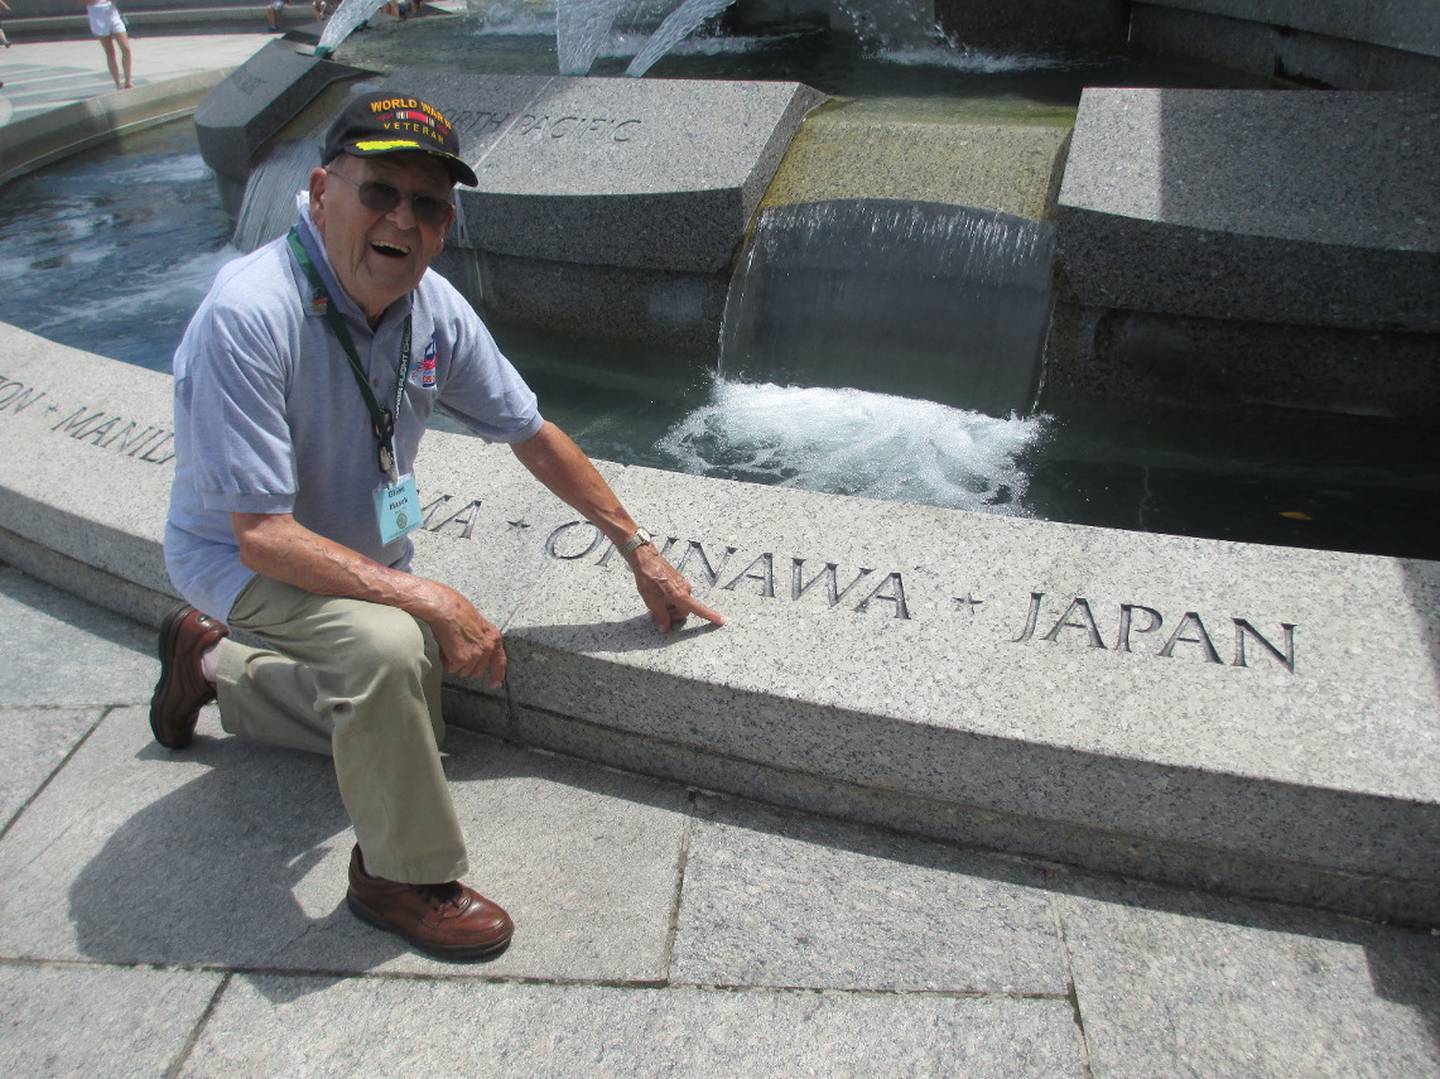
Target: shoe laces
(449, 894)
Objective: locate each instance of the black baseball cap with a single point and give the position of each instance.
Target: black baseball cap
(396, 123)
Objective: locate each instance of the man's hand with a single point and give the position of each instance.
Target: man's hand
(280, 547)
(562, 466)
(470, 644)
(665, 592)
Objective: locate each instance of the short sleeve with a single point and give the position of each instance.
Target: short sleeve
(231, 380)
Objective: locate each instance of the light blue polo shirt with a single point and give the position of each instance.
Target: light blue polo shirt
(268, 418)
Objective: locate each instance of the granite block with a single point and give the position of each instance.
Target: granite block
(256, 841)
(1169, 983)
(1034, 24)
(1411, 25)
(658, 311)
(1315, 209)
(1240, 366)
(57, 650)
(617, 172)
(98, 1021)
(80, 428)
(101, 589)
(1033, 699)
(257, 100)
(1280, 52)
(548, 1030)
(774, 899)
(1314, 59)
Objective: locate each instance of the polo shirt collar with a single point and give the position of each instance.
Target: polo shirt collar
(310, 239)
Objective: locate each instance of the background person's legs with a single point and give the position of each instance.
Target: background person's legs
(108, 44)
(124, 41)
(360, 681)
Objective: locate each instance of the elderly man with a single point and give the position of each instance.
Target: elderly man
(302, 387)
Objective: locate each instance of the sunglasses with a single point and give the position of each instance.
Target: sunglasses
(381, 198)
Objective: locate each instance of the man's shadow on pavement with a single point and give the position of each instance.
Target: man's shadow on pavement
(243, 868)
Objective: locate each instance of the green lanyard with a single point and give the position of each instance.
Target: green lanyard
(382, 422)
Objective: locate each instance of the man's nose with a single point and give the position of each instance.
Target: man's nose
(403, 212)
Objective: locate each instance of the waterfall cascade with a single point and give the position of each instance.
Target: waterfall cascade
(944, 302)
(349, 15)
(268, 208)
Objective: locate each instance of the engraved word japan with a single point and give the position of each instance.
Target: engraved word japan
(1066, 622)
(106, 430)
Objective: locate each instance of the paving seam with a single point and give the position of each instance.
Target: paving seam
(1071, 993)
(523, 980)
(682, 861)
(105, 711)
(178, 1064)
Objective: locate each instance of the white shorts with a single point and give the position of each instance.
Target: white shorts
(104, 19)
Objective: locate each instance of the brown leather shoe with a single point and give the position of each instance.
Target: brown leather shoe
(449, 921)
(182, 690)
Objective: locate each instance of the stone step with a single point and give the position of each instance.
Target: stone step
(1240, 718)
(1307, 209)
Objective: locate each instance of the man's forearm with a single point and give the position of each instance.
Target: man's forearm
(562, 466)
(279, 547)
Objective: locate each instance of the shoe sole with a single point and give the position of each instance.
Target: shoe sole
(168, 631)
(439, 951)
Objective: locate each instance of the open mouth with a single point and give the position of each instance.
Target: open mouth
(390, 251)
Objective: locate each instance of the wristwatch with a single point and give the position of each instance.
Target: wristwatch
(635, 542)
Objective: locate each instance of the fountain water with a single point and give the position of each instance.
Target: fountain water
(678, 25)
(581, 28)
(268, 208)
(349, 15)
(956, 300)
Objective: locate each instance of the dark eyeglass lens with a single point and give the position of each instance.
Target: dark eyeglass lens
(382, 198)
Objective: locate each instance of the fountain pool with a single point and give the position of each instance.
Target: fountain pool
(137, 231)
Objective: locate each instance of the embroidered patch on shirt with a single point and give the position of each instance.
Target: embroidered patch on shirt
(424, 374)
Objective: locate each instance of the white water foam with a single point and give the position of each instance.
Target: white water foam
(955, 57)
(149, 169)
(155, 290)
(853, 442)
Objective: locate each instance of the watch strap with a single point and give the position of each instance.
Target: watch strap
(635, 542)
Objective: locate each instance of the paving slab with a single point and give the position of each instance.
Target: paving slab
(58, 650)
(1172, 983)
(232, 854)
(779, 899)
(378, 1027)
(97, 1021)
(36, 741)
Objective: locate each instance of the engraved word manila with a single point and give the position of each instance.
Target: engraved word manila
(1074, 621)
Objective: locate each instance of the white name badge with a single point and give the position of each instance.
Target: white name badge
(397, 508)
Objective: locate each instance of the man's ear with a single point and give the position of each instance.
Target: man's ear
(318, 177)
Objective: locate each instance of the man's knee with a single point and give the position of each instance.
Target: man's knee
(386, 639)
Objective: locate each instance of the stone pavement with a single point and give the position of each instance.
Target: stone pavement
(182, 914)
(42, 75)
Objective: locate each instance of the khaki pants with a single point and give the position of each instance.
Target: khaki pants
(359, 681)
